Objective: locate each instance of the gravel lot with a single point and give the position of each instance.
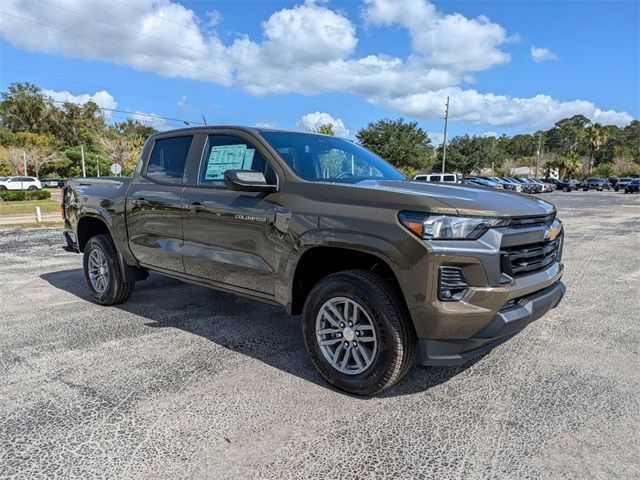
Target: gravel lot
(185, 382)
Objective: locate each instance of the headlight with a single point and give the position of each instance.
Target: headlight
(448, 227)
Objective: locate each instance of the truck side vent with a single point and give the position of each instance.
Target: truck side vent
(452, 283)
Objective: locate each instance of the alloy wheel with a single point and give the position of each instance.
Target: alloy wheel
(346, 335)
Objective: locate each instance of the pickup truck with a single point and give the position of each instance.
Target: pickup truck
(383, 269)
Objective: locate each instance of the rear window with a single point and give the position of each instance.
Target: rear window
(168, 159)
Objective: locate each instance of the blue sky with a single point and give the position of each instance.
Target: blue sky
(296, 64)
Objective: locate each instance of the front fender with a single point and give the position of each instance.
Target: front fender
(410, 267)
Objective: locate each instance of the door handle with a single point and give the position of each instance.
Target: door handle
(197, 207)
(140, 202)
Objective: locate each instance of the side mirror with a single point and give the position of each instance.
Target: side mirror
(247, 181)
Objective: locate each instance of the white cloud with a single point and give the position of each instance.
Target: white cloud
(150, 119)
(314, 120)
(436, 138)
(445, 41)
(539, 54)
(266, 124)
(471, 106)
(306, 49)
(102, 98)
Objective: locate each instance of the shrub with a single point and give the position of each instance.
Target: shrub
(20, 195)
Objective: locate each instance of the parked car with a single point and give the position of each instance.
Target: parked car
(633, 186)
(597, 184)
(506, 185)
(374, 262)
(621, 183)
(517, 186)
(530, 186)
(564, 185)
(438, 177)
(20, 183)
(612, 181)
(546, 186)
(51, 182)
(482, 182)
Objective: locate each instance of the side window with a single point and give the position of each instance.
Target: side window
(435, 178)
(168, 159)
(228, 152)
(449, 178)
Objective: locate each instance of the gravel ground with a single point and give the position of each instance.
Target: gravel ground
(185, 382)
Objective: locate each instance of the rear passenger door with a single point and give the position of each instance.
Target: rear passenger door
(230, 236)
(154, 204)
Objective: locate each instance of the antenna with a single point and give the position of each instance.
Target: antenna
(204, 120)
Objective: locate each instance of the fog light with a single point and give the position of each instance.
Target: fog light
(452, 284)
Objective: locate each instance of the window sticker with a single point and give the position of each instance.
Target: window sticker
(228, 157)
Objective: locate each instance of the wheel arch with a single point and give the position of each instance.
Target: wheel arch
(316, 262)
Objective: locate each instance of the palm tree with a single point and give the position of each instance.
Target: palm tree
(596, 136)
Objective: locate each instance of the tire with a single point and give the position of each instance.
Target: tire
(382, 309)
(32, 187)
(113, 289)
(565, 189)
(616, 189)
(2, 188)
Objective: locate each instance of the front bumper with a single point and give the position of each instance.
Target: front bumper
(505, 324)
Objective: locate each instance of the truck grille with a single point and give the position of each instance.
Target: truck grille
(526, 259)
(536, 221)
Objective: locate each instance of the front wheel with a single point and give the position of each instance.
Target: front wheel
(565, 189)
(358, 332)
(102, 272)
(32, 187)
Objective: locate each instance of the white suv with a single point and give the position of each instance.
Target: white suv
(438, 177)
(20, 183)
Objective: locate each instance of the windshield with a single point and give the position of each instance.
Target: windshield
(319, 158)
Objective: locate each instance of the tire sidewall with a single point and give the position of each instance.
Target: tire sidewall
(101, 243)
(385, 334)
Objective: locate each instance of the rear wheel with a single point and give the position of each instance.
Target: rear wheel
(32, 187)
(358, 333)
(565, 189)
(103, 276)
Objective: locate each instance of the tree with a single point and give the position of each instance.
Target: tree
(24, 108)
(326, 129)
(467, 153)
(596, 137)
(118, 148)
(403, 144)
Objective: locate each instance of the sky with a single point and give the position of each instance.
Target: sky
(507, 66)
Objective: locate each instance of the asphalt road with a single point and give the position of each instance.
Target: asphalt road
(184, 382)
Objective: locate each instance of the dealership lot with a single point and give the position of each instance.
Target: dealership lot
(182, 381)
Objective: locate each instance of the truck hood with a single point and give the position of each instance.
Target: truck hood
(466, 199)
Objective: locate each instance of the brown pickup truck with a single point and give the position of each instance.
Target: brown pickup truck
(382, 268)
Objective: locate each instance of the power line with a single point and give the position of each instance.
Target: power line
(149, 115)
(144, 95)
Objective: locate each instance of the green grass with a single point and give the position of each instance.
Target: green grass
(29, 207)
(24, 226)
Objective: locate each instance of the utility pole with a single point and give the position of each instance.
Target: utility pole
(84, 170)
(444, 145)
(538, 154)
(24, 162)
(98, 165)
